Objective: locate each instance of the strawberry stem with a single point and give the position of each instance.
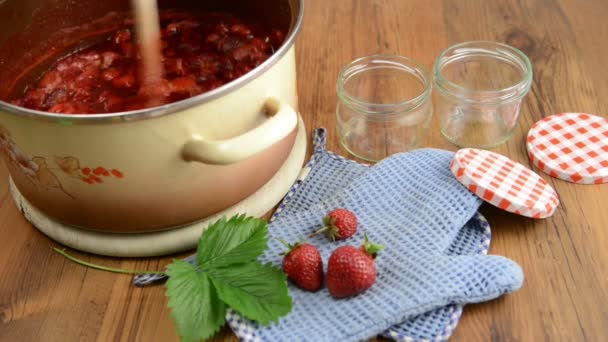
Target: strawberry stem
(102, 268)
(328, 227)
(284, 243)
(371, 248)
(289, 246)
(317, 232)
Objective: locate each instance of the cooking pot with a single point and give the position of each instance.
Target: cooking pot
(151, 169)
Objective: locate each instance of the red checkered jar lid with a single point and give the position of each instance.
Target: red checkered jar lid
(571, 146)
(504, 183)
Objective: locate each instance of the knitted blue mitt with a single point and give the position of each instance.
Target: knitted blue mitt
(412, 204)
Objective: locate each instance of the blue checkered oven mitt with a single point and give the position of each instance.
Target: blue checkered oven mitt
(432, 264)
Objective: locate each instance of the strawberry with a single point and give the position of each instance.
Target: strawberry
(351, 270)
(303, 265)
(340, 224)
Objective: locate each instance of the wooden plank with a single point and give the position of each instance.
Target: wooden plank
(556, 300)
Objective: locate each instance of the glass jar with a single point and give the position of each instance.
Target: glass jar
(384, 106)
(480, 87)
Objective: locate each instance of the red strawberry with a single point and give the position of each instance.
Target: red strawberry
(340, 224)
(303, 265)
(351, 270)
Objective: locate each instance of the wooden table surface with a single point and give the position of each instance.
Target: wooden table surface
(44, 297)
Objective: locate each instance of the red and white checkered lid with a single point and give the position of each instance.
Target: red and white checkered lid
(571, 146)
(504, 183)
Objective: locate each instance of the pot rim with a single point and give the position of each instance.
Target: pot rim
(170, 108)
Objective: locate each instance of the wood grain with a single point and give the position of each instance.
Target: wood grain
(565, 259)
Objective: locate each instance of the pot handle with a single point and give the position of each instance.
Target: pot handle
(233, 150)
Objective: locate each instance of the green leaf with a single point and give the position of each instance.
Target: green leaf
(227, 274)
(237, 240)
(195, 307)
(258, 292)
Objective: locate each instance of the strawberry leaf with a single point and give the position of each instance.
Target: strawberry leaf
(195, 307)
(226, 274)
(258, 292)
(237, 240)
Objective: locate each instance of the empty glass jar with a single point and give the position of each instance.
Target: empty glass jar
(480, 87)
(384, 106)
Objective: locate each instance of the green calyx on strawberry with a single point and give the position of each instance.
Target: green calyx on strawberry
(303, 265)
(370, 248)
(339, 224)
(351, 270)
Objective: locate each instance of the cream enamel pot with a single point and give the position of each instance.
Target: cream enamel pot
(156, 168)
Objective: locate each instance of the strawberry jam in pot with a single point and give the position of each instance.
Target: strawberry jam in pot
(200, 52)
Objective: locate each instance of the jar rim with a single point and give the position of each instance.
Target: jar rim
(403, 63)
(496, 50)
